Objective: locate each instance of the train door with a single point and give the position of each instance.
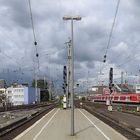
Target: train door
(127, 98)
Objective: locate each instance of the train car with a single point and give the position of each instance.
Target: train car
(116, 98)
(129, 95)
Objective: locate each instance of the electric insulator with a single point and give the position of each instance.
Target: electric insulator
(104, 61)
(37, 54)
(35, 43)
(104, 56)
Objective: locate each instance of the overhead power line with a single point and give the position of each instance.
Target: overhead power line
(32, 22)
(10, 58)
(54, 52)
(34, 35)
(111, 32)
(129, 60)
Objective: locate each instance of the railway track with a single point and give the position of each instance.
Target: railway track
(120, 103)
(125, 129)
(12, 130)
(23, 107)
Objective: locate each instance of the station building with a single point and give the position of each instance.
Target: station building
(22, 95)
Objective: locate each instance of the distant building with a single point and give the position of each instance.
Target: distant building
(2, 83)
(51, 89)
(117, 88)
(22, 95)
(97, 89)
(137, 88)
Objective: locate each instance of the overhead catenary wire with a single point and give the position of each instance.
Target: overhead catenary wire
(9, 57)
(109, 38)
(111, 32)
(34, 35)
(32, 22)
(54, 52)
(129, 60)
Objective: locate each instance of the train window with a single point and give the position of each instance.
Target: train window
(122, 98)
(127, 98)
(115, 98)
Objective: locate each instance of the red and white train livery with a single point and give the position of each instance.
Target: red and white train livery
(131, 98)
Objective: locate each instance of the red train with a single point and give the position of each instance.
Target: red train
(126, 98)
(130, 96)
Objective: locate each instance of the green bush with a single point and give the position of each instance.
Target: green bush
(83, 99)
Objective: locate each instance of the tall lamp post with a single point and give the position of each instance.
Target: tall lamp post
(72, 18)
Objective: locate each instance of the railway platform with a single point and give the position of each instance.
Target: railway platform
(56, 126)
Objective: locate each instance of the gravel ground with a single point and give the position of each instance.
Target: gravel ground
(12, 116)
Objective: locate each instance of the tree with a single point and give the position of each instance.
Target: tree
(44, 95)
(40, 84)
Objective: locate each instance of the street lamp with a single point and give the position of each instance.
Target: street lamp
(72, 18)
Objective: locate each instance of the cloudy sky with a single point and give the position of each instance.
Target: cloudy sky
(17, 51)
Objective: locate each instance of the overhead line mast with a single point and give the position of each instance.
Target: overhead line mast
(36, 48)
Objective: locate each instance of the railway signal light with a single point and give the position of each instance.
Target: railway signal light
(64, 88)
(65, 78)
(65, 74)
(104, 59)
(111, 79)
(35, 43)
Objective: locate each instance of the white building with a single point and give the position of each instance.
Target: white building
(21, 95)
(137, 88)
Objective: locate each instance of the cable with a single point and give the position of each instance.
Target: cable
(131, 58)
(10, 58)
(111, 31)
(54, 52)
(32, 22)
(34, 35)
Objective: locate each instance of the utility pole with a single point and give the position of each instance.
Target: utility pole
(88, 83)
(44, 82)
(50, 89)
(36, 88)
(139, 78)
(121, 79)
(72, 80)
(72, 18)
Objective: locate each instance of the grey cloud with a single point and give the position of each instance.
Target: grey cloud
(90, 34)
(18, 13)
